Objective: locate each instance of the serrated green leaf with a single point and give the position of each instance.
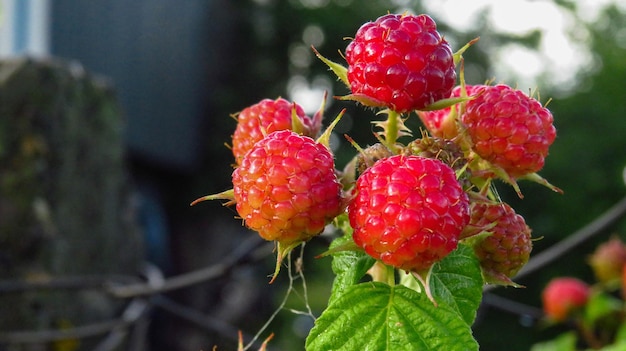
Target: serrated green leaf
(457, 281)
(376, 317)
(349, 266)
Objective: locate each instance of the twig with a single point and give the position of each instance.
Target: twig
(195, 277)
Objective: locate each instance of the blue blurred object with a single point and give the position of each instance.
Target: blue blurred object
(154, 223)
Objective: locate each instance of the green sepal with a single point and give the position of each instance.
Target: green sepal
(363, 100)
(445, 103)
(324, 139)
(535, 177)
(224, 195)
(458, 56)
(282, 250)
(340, 71)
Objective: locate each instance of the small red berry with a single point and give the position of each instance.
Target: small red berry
(401, 62)
(509, 129)
(408, 211)
(286, 187)
(507, 249)
(563, 296)
(607, 261)
(264, 117)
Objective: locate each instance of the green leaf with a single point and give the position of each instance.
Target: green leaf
(564, 342)
(376, 317)
(620, 336)
(349, 266)
(602, 306)
(618, 346)
(457, 281)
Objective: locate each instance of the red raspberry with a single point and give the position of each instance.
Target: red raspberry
(286, 187)
(563, 296)
(400, 61)
(438, 122)
(608, 260)
(265, 117)
(408, 211)
(509, 129)
(503, 253)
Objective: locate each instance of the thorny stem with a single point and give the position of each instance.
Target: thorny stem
(391, 131)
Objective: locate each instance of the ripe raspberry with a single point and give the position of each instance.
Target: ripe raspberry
(509, 129)
(563, 296)
(439, 122)
(400, 61)
(503, 253)
(607, 261)
(265, 117)
(408, 211)
(286, 187)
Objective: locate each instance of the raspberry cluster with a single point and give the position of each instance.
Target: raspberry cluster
(409, 204)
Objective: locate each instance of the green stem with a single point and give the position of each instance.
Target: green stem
(391, 130)
(391, 275)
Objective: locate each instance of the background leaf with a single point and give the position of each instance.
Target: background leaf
(457, 281)
(376, 317)
(349, 266)
(564, 342)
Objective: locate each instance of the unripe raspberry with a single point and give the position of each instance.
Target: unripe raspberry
(286, 187)
(445, 150)
(562, 297)
(509, 129)
(266, 116)
(607, 261)
(401, 62)
(408, 211)
(507, 249)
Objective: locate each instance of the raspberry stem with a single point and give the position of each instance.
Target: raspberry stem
(383, 273)
(424, 279)
(393, 128)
